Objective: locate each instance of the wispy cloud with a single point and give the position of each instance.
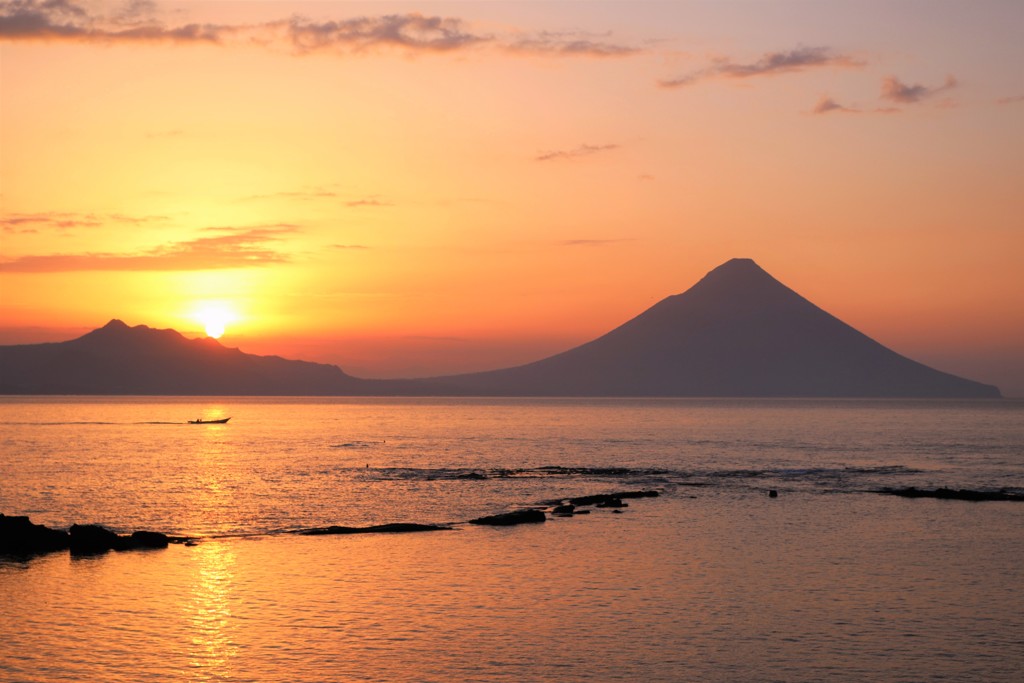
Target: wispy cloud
(324, 194)
(56, 220)
(827, 104)
(581, 151)
(138, 22)
(357, 247)
(895, 90)
(1016, 99)
(366, 202)
(561, 43)
(769, 64)
(135, 12)
(23, 222)
(409, 31)
(305, 195)
(225, 248)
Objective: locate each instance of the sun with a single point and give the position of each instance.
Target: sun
(215, 317)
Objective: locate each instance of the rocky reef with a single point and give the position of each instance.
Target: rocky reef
(944, 493)
(396, 528)
(19, 536)
(528, 516)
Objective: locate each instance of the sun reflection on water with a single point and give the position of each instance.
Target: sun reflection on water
(209, 615)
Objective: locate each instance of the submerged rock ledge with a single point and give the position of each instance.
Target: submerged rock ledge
(528, 516)
(611, 499)
(396, 528)
(944, 493)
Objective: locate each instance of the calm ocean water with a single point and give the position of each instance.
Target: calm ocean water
(713, 580)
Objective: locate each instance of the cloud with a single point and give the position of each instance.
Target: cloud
(64, 20)
(350, 246)
(411, 31)
(357, 203)
(135, 12)
(894, 90)
(321, 193)
(554, 43)
(226, 248)
(1016, 99)
(62, 221)
(581, 151)
(315, 193)
(137, 22)
(827, 104)
(770, 63)
(56, 220)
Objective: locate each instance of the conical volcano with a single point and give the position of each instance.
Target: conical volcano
(738, 332)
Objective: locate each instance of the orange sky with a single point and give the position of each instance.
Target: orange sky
(422, 188)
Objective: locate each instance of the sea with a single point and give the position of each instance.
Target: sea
(712, 580)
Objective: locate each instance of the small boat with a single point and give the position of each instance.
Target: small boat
(201, 421)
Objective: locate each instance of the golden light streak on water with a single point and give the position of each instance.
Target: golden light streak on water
(209, 612)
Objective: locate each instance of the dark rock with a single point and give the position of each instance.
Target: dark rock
(612, 503)
(472, 475)
(90, 539)
(148, 539)
(953, 494)
(604, 497)
(511, 518)
(773, 493)
(563, 509)
(617, 512)
(397, 528)
(19, 536)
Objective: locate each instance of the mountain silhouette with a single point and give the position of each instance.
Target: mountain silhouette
(738, 332)
(118, 359)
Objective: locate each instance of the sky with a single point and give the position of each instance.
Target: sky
(416, 189)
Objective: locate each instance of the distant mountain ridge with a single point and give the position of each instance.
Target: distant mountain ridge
(118, 359)
(738, 332)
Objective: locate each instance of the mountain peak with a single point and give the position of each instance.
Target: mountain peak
(115, 329)
(739, 264)
(738, 268)
(741, 283)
